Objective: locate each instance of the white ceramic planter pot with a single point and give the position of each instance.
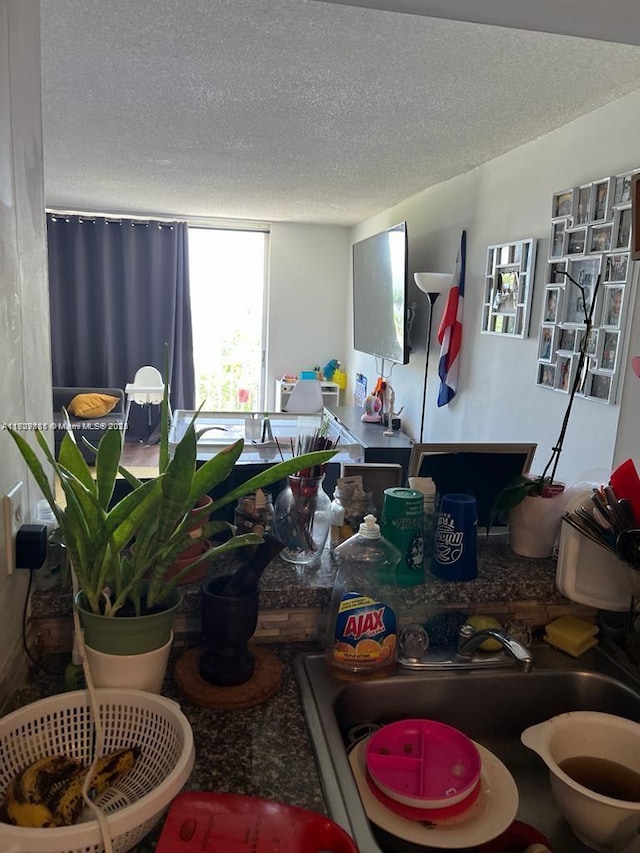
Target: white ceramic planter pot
(534, 525)
(144, 671)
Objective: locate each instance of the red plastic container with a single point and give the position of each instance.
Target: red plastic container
(233, 823)
(626, 484)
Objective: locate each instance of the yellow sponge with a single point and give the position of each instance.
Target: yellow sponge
(571, 635)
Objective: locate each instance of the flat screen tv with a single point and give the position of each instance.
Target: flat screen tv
(380, 295)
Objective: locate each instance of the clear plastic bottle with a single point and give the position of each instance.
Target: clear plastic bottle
(254, 513)
(349, 506)
(362, 630)
(427, 488)
(337, 533)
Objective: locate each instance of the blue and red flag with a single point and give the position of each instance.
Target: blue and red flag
(450, 331)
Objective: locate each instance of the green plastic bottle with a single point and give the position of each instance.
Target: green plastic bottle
(362, 631)
(74, 671)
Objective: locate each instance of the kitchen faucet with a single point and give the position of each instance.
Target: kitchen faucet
(415, 652)
(470, 640)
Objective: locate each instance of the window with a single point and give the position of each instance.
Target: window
(227, 274)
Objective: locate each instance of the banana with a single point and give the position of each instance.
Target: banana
(39, 778)
(26, 798)
(21, 813)
(112, 766)
(49, 791)
(67, 804)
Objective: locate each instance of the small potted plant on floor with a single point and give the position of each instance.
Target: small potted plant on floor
(534, 505)
(124, 591)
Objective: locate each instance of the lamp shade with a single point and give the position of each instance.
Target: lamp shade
(433, 282)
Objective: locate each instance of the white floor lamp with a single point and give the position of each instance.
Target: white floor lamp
(432, 284)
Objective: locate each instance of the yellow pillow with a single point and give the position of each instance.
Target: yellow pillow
(92, 405)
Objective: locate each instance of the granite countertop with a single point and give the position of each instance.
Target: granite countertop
(502, 577)
(264, 751)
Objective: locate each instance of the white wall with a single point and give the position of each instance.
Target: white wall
(308, 279)
(628, 437)
(504, 200)
(25, 379)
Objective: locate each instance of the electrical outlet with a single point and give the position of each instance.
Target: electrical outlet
(12, 519)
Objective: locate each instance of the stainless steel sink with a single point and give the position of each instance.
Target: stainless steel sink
(492, 707)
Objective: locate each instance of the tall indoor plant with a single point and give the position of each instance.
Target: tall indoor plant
(115, 579)
(533, 504)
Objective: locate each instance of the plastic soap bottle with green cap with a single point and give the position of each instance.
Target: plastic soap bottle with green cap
(362, 631)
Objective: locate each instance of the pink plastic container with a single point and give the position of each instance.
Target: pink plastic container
(423, 764)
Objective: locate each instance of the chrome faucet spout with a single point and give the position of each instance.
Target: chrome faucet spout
(470, 640)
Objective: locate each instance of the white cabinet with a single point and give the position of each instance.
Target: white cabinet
(330, 393)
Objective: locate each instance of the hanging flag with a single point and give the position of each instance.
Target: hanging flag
(450, 331)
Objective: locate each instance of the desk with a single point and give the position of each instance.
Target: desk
(375, 446)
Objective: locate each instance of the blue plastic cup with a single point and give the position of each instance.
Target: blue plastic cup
(455, 551)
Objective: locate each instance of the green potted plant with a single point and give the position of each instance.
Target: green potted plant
(135, 583)
(533, 504)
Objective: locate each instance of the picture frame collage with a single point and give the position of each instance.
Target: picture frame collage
(506, 309)
(590, 237)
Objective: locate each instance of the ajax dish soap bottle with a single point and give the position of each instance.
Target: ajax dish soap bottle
(362, 631)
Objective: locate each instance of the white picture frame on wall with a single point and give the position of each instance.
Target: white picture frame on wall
(546, 375)
(557, 238)
(546, 343)
(612, 307)
(508, 288)
(564, 373)
(562, 204)
(593, 240)
(616, 267)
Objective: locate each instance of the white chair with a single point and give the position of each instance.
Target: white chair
(305, 398)
(147, 389)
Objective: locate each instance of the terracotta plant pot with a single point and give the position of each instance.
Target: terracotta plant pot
(199, 570)
(196, 531)
(194, 550)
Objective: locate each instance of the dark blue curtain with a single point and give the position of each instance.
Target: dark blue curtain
(119, 289)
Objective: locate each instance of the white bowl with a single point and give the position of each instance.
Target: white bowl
(599, 821)
(144, 671)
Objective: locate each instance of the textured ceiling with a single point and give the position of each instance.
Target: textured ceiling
(293, 110)
(615, 20)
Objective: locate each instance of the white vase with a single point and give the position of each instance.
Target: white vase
(534, 525)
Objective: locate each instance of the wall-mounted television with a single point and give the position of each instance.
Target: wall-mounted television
(380, 288)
